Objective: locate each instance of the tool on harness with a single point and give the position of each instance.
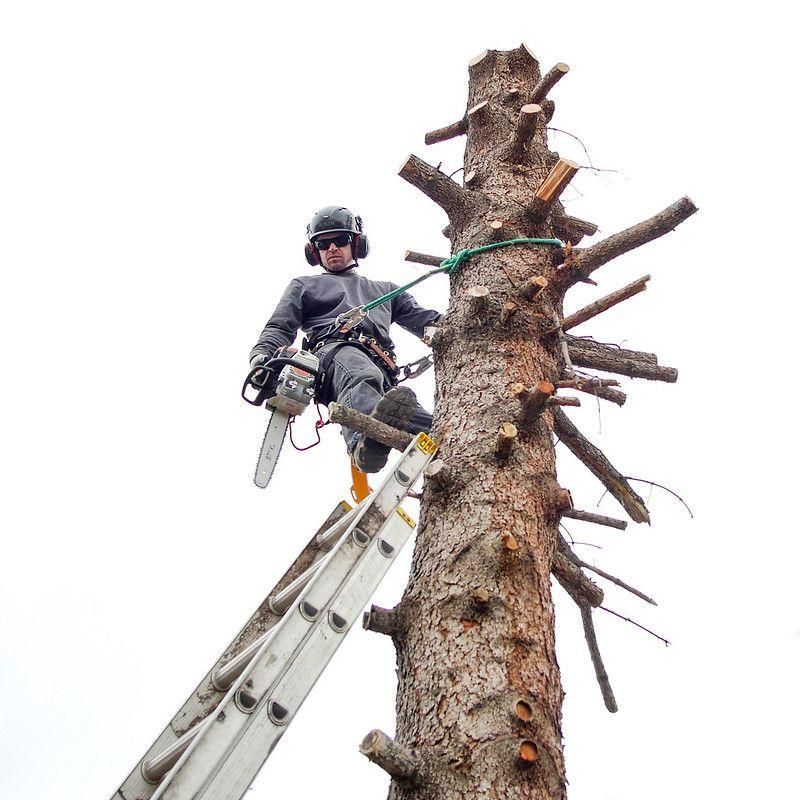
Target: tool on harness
(288, 393)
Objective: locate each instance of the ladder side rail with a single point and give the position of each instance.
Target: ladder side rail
(206, 697)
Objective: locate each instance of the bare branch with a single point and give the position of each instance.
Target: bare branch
(587, 261)
(400, 762)
(456, 128)
(423, 258)
(603, 348)
(600, 467)
(604, 303)
(597, 661)
(598, 387)
(548, 81)
(436, 185)
(619, 361)
(560, 400)
(379, 431)
(597, 519)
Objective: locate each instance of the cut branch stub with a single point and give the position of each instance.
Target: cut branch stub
(598, 387)
(400, 762)
(600, 467)
(604, 303)
(505, 438)
(381, 620)
(495, 229)
(422, 258)
(444, 191)
(524, 132)
(553, 185)
(601, 253)
(479, 299)
(509, 309)
(522, 710)
(548, 81)
(533, 400)
(533, 287)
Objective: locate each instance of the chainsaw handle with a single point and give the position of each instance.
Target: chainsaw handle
(260, 384)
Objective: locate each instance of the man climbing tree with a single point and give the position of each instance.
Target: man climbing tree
(357, 366)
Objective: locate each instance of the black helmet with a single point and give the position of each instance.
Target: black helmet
(336, 219)
(333, 219)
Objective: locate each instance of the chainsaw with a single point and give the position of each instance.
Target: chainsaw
(285, 384)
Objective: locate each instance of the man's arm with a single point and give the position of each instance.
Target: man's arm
(408, 314)
(281, 328)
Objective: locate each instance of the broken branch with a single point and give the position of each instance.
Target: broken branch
(600, 467)
(601, 253)
(597, 661)
(558, 400)
(444, 191)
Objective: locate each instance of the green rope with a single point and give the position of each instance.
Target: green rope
(450, 265)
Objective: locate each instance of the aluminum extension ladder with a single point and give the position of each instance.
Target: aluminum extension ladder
(215, 745)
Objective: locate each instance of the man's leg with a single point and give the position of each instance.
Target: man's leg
(357, 382)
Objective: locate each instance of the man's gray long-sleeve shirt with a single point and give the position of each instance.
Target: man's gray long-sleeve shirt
(312, 303)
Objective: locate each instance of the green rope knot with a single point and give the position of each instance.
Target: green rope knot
(450, 265)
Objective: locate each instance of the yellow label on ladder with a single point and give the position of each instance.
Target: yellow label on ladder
(426, 444)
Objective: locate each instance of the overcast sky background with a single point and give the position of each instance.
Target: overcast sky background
(158, 164)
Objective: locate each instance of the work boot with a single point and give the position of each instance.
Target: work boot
(395, 408)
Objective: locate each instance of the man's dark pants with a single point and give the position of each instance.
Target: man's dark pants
(356, 381)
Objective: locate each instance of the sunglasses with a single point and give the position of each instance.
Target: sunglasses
(340, 241)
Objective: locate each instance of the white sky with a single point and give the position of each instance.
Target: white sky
(158, 164)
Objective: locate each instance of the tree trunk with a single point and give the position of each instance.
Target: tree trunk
(479, 696)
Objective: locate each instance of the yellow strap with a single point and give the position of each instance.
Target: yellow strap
(360, 488)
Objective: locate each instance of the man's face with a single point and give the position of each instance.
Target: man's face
(337, 256)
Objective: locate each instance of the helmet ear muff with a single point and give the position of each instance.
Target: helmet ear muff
(361, 245)
(312, 256)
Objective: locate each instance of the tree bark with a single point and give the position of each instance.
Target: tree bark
(460, 662)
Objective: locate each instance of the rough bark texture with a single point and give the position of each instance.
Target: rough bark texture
(461, 662)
